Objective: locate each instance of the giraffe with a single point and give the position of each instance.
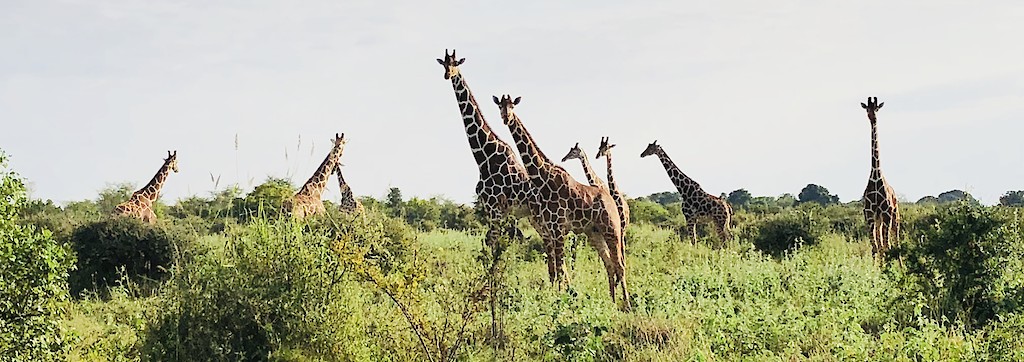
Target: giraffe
(562, 205)
(348, 203)
(881, 209)
(140, 204)
(605, 150)
(577, 153)
(307, 201)
(697, 204)
(503, 182)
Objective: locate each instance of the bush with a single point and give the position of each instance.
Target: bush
(779, 233)
(117, 245)
(964, 264)
(33, 281)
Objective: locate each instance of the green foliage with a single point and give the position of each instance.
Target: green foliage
(740, 198)
(643, 210)
(817, 194)
(121, 245)
(1012, 198)
(33, 281)
(964, 264)
(951, 196)
(783, 232)
(272, 290)
(267, 199)
(664, 198)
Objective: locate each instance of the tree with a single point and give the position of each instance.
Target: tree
(33, 281)
(955, 196)
(665, 198)
(740, 198)
(818, 194)
(1012, 198)
(394, 202)
(268, 196)
(928, 200)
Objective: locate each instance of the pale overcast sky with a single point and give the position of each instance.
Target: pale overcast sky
(742, 94)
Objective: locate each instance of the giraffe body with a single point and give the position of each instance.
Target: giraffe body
(697, 205)
(563, 205)
(348, 203)
(308, 201)
(140, 204)
(881, 208)
(503, 182)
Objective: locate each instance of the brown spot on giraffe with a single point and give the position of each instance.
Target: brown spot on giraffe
(697, 205)
(881, 208)
(308, 201)
(564, 205)
(140, 204)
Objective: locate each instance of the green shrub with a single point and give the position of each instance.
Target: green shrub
(964, 264)
(779, 233)
(107, 248)
(33, 281)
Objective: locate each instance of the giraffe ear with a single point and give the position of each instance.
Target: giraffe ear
(862, 105)
(496, 100)
(516, 101)
(880, 105)
(441, 62)
(460, 61)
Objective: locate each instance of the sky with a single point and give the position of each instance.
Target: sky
(741, 94)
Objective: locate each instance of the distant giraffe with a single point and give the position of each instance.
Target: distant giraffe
(605, 150)
(501, 189)
(881, 209)
(697, 204)
(577, 153)
(308, 201)
(140, 204)
(562, 205)
(348, 203)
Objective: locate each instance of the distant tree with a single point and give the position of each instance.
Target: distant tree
(665, 198)
(112, 195)
(818, 194)
(928, 200)
(740, 198)
(955, 196)
(786, 200)
(1012, 198)
(268, 196)
(394, 202)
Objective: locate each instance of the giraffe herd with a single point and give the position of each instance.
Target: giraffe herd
(551, 199)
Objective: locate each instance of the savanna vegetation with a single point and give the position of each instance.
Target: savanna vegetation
(225, 277)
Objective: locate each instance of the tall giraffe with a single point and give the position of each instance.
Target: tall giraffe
(348, 203)
(881, 209)
(308, 201)
(502, 188)
(140, 204)
(697, 204)
(562, 205)
(605, 150)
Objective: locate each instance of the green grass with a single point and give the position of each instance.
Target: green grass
(823, 302)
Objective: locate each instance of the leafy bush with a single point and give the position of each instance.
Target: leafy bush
(779, 233)
(964, 262)
(126, 245)
(33, 281)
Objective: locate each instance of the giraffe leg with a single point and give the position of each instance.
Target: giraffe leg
(693, 230)
(556, 238)
(617, 250)
(605, 252)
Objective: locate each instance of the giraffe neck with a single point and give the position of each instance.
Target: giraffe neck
(591, 175)
(611, 179)
(533, 158)
(876, 164)
(316, 183)
(478, 131)
(684, 184)
(152, 189)
(346, 191)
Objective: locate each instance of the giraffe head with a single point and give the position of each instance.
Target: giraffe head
(652, 148)
(574, 153)
(506, 104)
(339, 140)
(872, 106)
(451, 64)
(172, 161)
(605, 148)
